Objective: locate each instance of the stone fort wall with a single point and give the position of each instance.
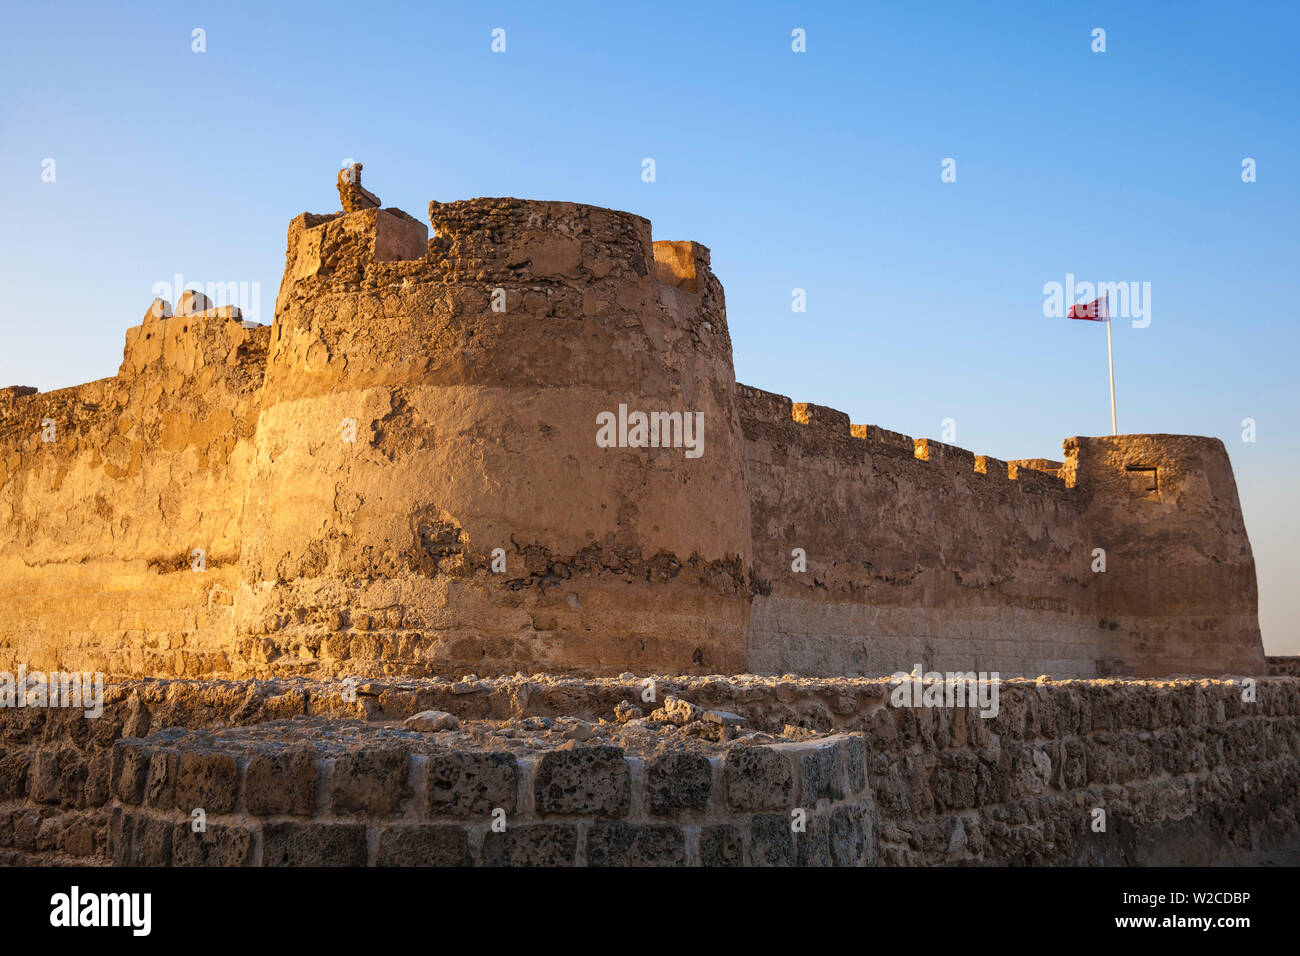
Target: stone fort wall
(967, 563)
(401, 476)
(98, 525)
(811, 773)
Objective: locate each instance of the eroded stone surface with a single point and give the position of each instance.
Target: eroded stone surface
(327, 496)
(295, 772)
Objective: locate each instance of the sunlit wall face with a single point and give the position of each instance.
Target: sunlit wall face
(887, 192)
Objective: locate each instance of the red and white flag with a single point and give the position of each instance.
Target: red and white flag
(1098, 310)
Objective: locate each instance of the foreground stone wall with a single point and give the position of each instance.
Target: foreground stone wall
(290, 772)
(1288, 666)
(310, 793)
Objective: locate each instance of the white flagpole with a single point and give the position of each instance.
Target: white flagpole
(1110, 355)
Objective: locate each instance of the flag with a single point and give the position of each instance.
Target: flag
(1098, 310)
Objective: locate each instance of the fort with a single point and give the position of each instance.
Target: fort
(421, 401)
(403, 578)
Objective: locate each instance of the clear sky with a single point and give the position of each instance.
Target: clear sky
(818, 170)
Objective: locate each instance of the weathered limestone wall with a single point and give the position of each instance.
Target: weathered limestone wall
(476, 431)
(402, 475)
(99, 524)
(919, 552)
(909, 560)
(1179, 593)
(288, 772)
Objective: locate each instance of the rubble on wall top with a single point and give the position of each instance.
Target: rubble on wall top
(352, 194)
(196, 305)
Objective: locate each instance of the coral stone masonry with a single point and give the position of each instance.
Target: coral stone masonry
(554, 772)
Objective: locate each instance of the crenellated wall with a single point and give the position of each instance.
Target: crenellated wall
(406, 474)
(913, 556)
(920, 552)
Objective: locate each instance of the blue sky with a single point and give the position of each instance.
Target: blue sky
(818, 171)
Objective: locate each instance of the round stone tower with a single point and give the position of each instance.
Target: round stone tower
(512, 446)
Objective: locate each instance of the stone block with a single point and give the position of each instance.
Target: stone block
(219, 845)
(812, 846)
(471, 784)
(370, 781)
(635, 844)
(209, 781)
(99, 778)
(280, 783)
(27, 826)
(137, 838)
(72, 778)
(821, 769)
(848, 835)
(954, 783)
(538, 844)
(722, 845)
(43, 779)
(857, 749)
(424, 845)
(771, 843)
(160, 784)
(313, 844)
(678, 782)
(432, 721)
(78, 838)
(48, 834)
(585, 780)
(757, 778)
(14, 768)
